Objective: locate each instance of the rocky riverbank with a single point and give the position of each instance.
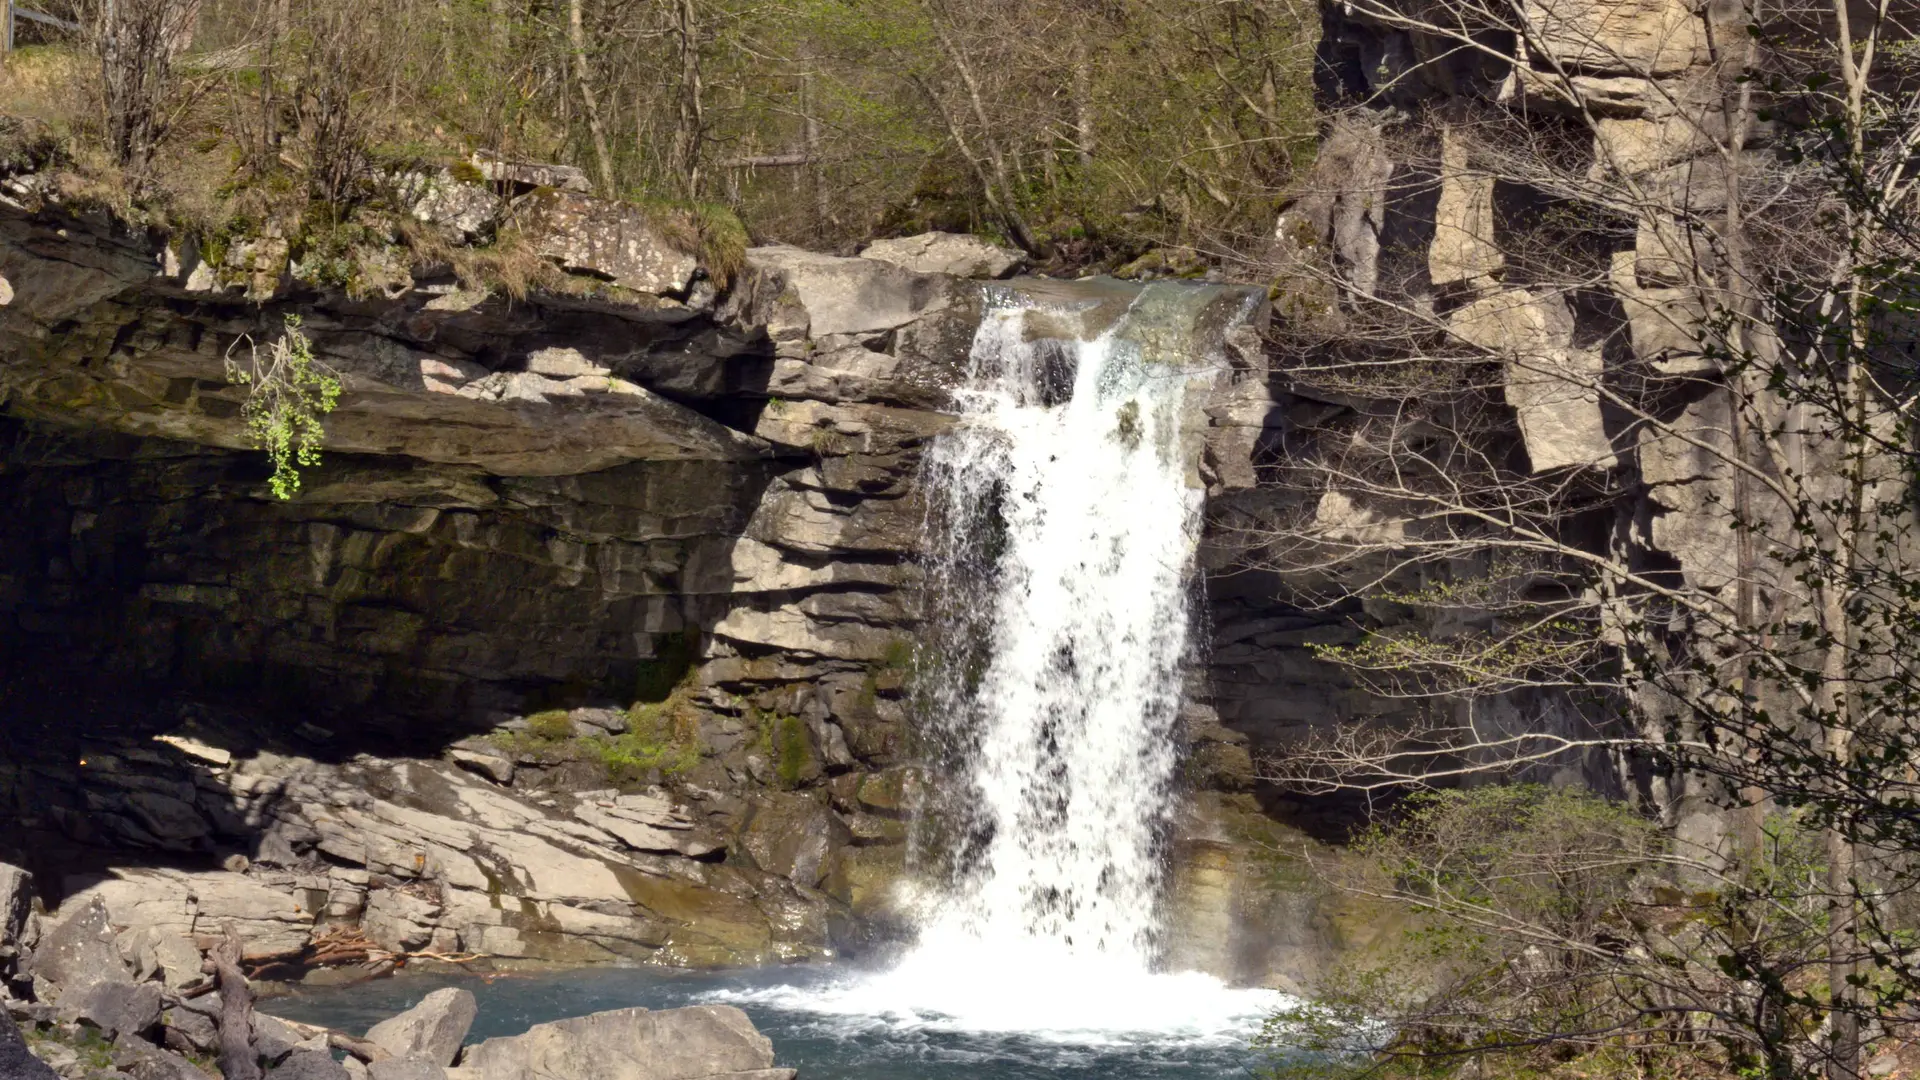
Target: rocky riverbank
(103, 1027)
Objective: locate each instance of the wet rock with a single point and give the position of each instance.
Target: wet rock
(794, 836)
(631, 1044)
(432, 1030)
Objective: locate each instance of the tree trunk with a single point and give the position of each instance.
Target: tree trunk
(998, 184)
(237, 1058)
(692, 104)
(1083, 132)
(577, 39)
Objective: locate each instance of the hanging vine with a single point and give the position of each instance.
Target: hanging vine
(290, 393)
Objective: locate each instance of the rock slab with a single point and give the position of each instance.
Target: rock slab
(432, 1030)
(116, 1007)
(631, 1044)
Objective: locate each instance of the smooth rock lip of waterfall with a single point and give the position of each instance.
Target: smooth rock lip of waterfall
(1065, 514)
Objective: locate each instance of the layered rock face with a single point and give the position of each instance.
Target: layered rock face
(589, 639)
(632, 489)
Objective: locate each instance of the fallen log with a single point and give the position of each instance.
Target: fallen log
(237, 1058)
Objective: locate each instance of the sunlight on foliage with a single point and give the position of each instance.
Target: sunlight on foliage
(289, 395)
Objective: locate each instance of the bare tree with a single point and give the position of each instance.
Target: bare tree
(1674, 318)
(136, 42)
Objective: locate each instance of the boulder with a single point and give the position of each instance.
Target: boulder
(1645, 38)
(947, 253)
(611, 721)
(631, 1044)
(79, 950)
(1463, 247)
(621, 243)
(796, 294)
(190, 1030)
(411, 1068)
(309, 1065)
(144, 1062)
(16, 904)
(153, 950)
(492, 766)
(16, 1061)
(466, 210)
(117, 1008)
(274, 1038)
(432, 1030)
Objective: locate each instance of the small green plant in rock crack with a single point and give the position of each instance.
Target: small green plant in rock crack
(289, 393)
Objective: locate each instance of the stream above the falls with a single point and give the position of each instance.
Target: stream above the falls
(835, 1023)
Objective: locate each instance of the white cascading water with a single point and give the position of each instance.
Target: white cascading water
(1064, 526)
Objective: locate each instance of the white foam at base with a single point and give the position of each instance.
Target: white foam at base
(1060, 998)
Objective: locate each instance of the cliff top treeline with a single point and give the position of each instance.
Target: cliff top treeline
(1086, 132)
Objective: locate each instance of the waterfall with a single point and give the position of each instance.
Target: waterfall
(1064, 524)
(1064, 514)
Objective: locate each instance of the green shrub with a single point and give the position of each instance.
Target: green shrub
(289, 392)
(551, 726)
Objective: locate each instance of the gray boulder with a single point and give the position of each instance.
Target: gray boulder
(16, 1061)
(309, 1065)
(947, 253)
(412, 1068)
(432, 1030)
(79, 951)
(143, 1062)
(188, 1030)
(16, 903)
(117, 1008)
(274, 1038)
(705, 1041)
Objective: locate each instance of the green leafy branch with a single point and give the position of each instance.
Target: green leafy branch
(290, 393)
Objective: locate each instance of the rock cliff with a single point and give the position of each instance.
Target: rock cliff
(589, 639)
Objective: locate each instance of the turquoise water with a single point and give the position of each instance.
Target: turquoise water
(823, 1045)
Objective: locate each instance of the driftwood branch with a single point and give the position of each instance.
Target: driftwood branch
(237, 1058)
(364, 1049)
